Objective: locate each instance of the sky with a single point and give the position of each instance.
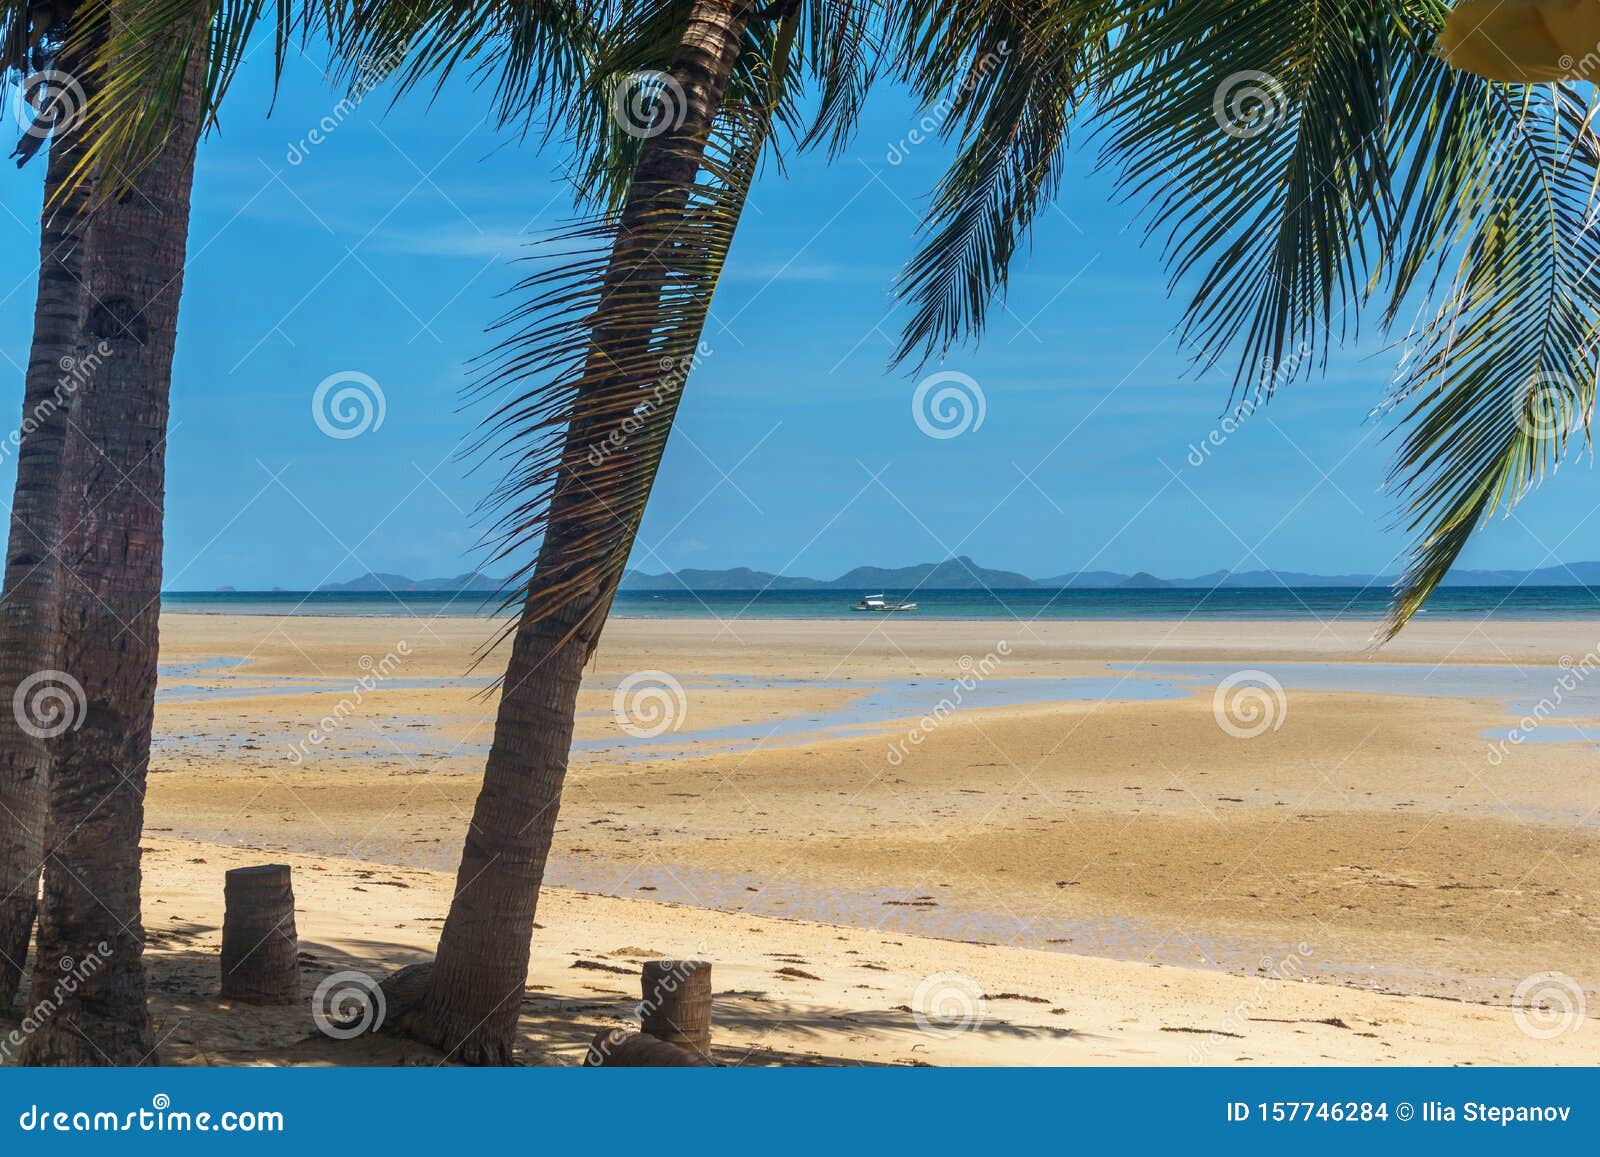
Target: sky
(374, 259)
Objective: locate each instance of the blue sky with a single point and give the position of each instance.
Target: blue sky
(385, 251)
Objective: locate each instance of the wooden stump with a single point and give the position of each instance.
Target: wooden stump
(677, 1004)
(260, 963)
(617, 1048)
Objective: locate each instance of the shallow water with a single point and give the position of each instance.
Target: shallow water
(1529, 695)
(873, 708)
(1324, 604)
(222, 677)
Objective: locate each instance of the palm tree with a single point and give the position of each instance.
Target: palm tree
(1298, 157)
(113, 475)
(597, 336)
(31, 45)
(600, 354)
(153, 70)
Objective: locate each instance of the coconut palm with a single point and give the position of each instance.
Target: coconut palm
(32, 47)
(681, 100)
(595, 368)
(133, 278)
(150, 71)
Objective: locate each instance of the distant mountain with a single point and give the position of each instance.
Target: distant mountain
(964, 574)
(1085, 578)
(373, 582)
(1279, 578)
(956, 574)
(739, 578)
(1144, 580)
(1577, 574)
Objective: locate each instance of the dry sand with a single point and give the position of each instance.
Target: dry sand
(1136, 872)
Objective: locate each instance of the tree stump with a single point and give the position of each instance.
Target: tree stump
(677, 1004)
(260, 963)
(617, 1048)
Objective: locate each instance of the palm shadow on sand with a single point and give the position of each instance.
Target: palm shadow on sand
(196, 1027)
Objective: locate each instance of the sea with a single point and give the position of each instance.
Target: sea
(1281, 603)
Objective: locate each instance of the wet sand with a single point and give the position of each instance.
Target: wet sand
(1060, 805)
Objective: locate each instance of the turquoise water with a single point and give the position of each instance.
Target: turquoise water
(1319, 603)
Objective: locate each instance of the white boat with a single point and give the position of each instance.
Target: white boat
(880, 604)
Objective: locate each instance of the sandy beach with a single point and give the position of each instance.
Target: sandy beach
(1049, 823)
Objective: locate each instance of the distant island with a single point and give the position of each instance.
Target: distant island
(374, 582)
(963, 574)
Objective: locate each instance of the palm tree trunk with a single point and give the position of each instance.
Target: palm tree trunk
(31, 601)
(481, 968)
(114, 485)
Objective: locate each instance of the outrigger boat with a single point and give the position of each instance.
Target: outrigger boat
(878, 603)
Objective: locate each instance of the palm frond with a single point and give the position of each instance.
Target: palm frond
(136, 54)
(1500, 375)
(612, 105)
(1005, 79)
(31, 34)
(842, 44)
(524, 53)
(1253, 138)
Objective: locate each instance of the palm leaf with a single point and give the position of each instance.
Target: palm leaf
(525, 52)
(137, 52)
(1501, 372)
(842, 45)
(1261, 166)
(1005, 79)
